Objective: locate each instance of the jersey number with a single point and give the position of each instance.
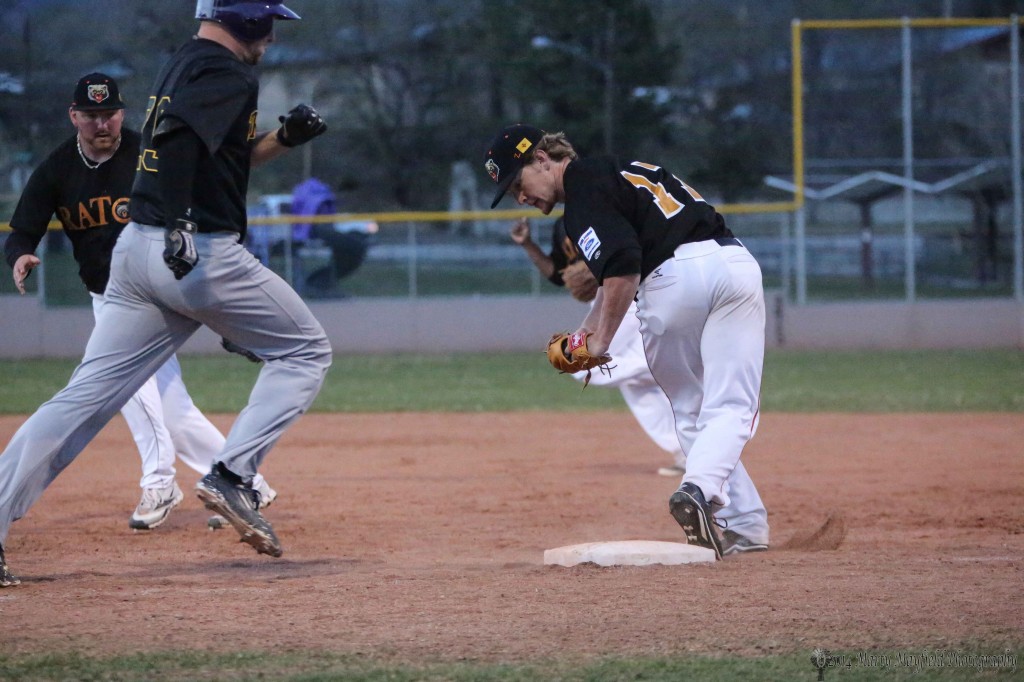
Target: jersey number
(663, 199)
(148, 157)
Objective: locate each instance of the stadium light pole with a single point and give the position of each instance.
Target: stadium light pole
(603, 66)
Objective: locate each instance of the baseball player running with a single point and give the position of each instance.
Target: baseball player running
(86, 182)
(648, 236)
(562, 266)
(180, 264)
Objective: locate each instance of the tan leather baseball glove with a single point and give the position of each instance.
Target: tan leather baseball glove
(568, 353)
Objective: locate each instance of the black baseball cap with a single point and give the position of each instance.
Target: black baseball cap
(96, 92)
(508, 154)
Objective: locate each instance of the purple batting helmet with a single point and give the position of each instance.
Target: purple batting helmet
(246, 20)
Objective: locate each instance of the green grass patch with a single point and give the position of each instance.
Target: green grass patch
(894, 381)
(825, 381)
(323, 667)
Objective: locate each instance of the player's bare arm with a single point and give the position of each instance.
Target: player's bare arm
(299, 126)
(520, 233)
(22, 267)
(593, 319)
(610, 306)
(266, 148)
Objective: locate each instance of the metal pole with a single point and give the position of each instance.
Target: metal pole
(801, 255)
(908, 168)
(785, 264)
(1015, 152)
(413, 285)
(307, 161)
(798, 162)
(289, 257)
(798, 113)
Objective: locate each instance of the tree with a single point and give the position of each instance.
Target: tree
(579, 69)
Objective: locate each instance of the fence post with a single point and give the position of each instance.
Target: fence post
(413, 284)
(908, 168)
(801, 255)
(1015, 151)
(784, 262)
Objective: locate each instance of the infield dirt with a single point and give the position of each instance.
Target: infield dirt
(420, 537)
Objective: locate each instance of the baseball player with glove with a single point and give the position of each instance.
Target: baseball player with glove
(180, 264)
(86, 182)
(648, 236)
(562, 266)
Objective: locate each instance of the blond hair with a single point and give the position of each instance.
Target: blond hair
(557, 146)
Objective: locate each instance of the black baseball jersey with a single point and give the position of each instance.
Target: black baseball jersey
(206, 88)
(90, 203)
(627, 218)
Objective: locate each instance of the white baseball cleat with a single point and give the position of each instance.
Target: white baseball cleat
(155, 506)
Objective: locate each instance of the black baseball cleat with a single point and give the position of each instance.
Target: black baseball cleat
(691, 511)
(6, 579)
(734, 543)
(224, 493)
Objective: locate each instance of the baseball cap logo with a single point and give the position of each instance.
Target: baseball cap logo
(98, 93)
(508, 154)
(492, 169)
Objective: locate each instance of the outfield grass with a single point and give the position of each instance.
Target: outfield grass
(326, 667)
(862, 381)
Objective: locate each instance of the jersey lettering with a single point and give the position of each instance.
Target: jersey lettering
(153, 116)
(252, 126)
(148, 157)
(85, 220)
(147, 161)
(98, 216)
(663, 198)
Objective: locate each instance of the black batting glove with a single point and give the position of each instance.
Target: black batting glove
(300, 126)
(232, 347)
(180, 249)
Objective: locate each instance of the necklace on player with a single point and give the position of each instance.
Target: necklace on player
(93, 165)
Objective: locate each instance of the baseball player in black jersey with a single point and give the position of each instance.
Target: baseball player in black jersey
(648, 236)
(179, 264)
(563, 266)
(86, 182)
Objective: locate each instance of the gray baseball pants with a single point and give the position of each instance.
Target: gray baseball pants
(148, 316)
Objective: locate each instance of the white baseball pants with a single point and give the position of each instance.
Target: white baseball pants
(702, 319)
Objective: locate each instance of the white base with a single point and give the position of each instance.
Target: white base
(629, 553)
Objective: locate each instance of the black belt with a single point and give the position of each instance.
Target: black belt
(729, 241)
